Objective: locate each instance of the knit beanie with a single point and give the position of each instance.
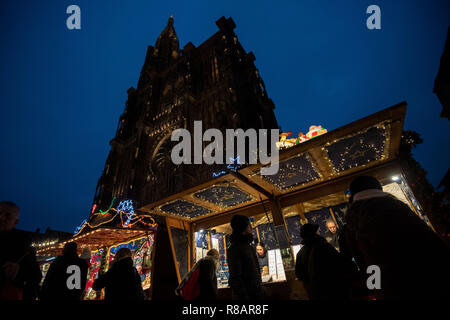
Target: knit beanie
(362, 183)
(308, 230)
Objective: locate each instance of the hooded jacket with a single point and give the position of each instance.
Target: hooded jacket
(413, 261)
(121, 282)
(245, 275)
(207, 278)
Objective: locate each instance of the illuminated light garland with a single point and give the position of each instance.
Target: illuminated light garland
(80, 227)
(299, 166)
(220, 194)
(131, 220)
(43, 244)
(218, 174)
(380, 155)
(126, 206)
(112, 202)
(138, 218)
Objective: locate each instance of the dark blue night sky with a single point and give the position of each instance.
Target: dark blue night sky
(62, 91)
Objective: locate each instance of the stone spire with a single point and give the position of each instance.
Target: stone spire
(167, 45)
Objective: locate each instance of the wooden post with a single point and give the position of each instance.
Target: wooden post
(301, 211)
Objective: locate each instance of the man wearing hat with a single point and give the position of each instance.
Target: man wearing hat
(245, 276)
(320, 267)
(385, 232)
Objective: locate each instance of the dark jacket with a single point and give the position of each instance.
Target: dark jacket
(121, 282)
(245, 274)
(414, 262)
(263, 260)
(208, 279)
(15, 246)
(55, 282)
(322, 270)
(332, 238)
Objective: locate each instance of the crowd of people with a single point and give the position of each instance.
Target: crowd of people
(379, 230)
(20, 274)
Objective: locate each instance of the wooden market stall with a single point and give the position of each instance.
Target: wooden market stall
(309, 186)
(104, 233)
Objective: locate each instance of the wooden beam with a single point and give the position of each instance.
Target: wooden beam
(251, 186)
(225, 217)
(318, 158)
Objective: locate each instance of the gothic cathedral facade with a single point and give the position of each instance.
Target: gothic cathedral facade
(216, 83)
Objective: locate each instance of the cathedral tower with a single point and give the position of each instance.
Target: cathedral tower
(216, 82)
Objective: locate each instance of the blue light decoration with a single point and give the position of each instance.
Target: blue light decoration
(232, 166)
(80, 226)
(218, 174)
(127, 207)
(234, 163)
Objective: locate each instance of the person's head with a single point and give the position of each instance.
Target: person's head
(9, 215)
(86, 253)
(331, 226)
(240, 225)
(213, 253)
(363, 183)
(70, 249)
(308, 231)
(260, 250)
(122, 253)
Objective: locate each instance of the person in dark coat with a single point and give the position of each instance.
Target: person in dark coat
(121, 281)
(19, 271)
(414, 262)
(263, 259)
(320, 267)
(354, 263)
(245, 275)
(332, 234)
(60, 273)
(207, 277)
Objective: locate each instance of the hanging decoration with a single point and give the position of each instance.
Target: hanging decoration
(234, 165)
(314, 131)
(127, 215)
(81, 226)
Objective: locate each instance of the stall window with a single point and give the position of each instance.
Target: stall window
(271, 259)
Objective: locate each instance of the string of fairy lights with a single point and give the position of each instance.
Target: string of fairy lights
(350, 151)
(125, 212)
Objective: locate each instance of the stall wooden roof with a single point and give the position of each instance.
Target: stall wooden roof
(96, 239)
(318, 167)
